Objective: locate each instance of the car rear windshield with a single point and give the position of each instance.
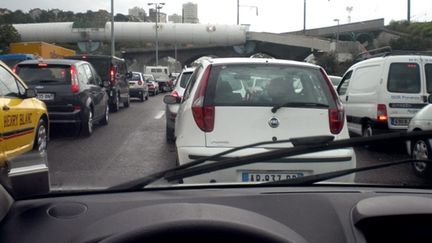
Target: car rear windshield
(135, 77)
(404, 78)
(185, 79)
(47, 74)
(101, 65)
(266, 85)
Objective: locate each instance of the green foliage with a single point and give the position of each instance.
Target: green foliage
(418, 38)
(8, 35)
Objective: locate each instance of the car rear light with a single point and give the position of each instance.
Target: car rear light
(113, 72)
(175, 94)
(336, 120)
(74, 81)
(42, 65)
(151, 85)
(204, 115)
(336, 115)
(140, 82)
(15, 68)
(77, 107)
(382, 113)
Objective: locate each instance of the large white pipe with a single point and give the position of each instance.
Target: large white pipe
(135, 31)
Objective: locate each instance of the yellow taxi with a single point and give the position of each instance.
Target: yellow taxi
(23, 118)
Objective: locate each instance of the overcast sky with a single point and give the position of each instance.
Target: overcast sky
(273, 15)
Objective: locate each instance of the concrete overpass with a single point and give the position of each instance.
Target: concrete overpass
(217, 40)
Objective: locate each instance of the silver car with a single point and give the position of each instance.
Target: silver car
(172, 109)
(421, 148)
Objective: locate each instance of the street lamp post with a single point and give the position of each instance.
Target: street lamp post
(247, 6)
(337, 34)
(157, 6)
(112, 29)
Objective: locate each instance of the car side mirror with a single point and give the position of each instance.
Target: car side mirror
(170, 100)
(30, 93)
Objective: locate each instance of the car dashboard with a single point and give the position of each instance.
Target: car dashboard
(323, 213)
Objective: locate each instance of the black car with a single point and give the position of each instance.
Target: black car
(71, 89)
(112, 70)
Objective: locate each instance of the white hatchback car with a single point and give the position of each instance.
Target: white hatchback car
(297, 101)
(421, 148)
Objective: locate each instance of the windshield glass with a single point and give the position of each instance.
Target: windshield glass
(219, 76)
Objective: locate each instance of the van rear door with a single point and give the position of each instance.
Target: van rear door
(405, 91)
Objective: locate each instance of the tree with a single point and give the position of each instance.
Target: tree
(8, 35)
(418, 38)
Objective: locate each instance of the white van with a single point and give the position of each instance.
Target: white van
(382, 94)
(160, 73)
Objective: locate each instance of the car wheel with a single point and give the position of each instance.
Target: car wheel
(116, 106)
(169, 133)
(41, 137)
(142, 97)
(421, 150)
(127, 102)
(105, 119)
(367, 130)
(87, 125)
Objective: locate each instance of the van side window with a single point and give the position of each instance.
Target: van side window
(404, 78)
(343, 86)
(428, 70)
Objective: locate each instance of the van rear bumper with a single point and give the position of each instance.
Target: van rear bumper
(65, 117)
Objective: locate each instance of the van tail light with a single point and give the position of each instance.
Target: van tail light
(337, 114)
(204, 115)
(382, 113)
(77, 107)
(74, 81)
(112, 74)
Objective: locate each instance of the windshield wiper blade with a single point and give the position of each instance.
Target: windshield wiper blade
(312, 179)
(141, 182)
(298, 104)
(298, 150)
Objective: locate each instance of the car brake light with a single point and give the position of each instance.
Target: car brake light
(140, 82)
(77, 107)
(204, 115)
(336, 115)
(112, 75)
(175, 94)
(15, 68)
(74, 81)
(42, 65)
(381, 112)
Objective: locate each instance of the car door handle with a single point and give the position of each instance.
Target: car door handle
(346, 98)
(6, 108)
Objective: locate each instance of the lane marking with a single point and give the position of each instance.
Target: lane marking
(159, 115)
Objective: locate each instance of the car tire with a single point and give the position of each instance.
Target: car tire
(105, 118)
(367, 130)
(116, 106)
(87, 124)
(41, 137)
(169, 134)
(126, 104)
(142, 97)
(421, 149)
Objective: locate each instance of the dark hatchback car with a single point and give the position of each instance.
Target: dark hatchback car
(71, 89)
(112, 70)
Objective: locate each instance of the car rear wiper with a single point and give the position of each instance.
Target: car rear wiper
(297, 104)
(46, 81)
(297, 150)
(312, 179)
(141, 182)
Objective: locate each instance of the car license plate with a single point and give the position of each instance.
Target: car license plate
(45, 96)
(269, 176)
(400, 121)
